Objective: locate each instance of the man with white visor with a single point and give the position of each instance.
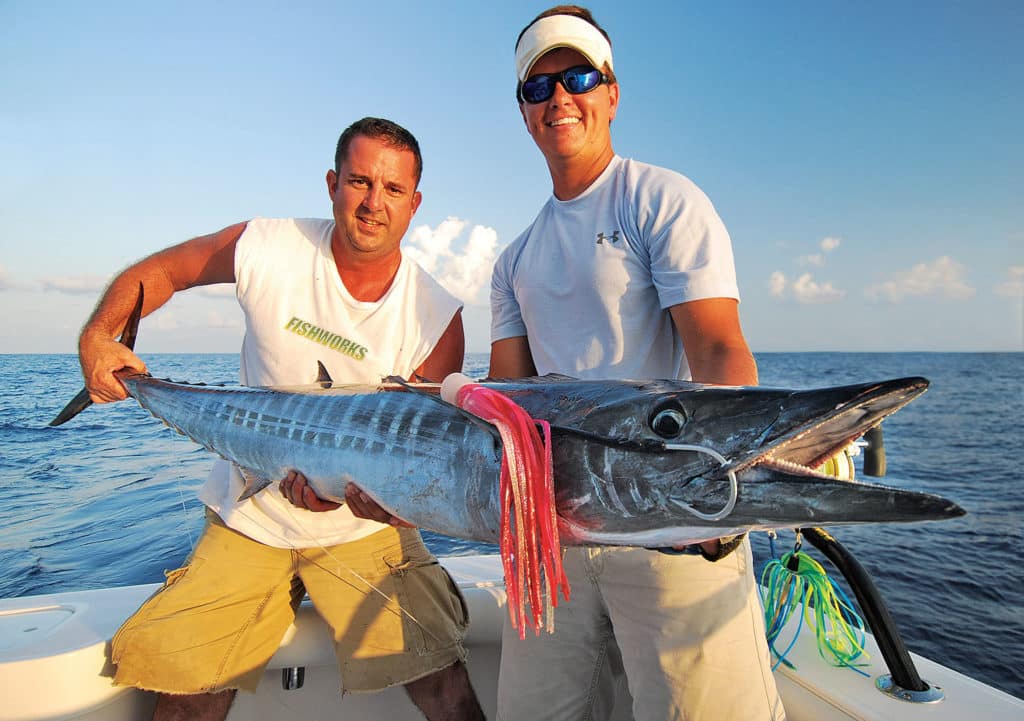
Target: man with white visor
(627, 272)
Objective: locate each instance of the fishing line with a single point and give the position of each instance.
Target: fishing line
(188, 521)
(796, 583)
(341, 564)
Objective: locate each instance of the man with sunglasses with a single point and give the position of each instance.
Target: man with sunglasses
(627, 272)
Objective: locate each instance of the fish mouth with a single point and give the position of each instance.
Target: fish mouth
(814, 425)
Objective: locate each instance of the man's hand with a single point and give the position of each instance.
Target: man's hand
(99, 358)
(296, 489)
(365, 507)
(711, 547)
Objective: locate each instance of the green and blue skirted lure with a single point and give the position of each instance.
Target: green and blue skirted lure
(796, 582)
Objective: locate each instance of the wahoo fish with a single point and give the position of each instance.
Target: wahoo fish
(637, 463)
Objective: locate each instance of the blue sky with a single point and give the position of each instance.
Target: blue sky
(867, 157)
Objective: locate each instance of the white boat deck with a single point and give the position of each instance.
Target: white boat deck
(53, 659)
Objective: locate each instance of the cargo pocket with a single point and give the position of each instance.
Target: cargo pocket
(426, 593)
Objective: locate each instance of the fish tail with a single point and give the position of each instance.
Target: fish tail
(81, 401)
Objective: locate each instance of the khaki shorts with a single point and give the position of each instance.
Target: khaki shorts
(216, 622)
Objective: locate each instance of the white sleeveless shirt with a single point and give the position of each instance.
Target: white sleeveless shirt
(297, 312)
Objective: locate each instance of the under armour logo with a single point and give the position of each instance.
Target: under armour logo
(614, 237)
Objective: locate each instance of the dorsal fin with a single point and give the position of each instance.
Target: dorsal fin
(322, 376)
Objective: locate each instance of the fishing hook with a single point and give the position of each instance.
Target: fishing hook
(734, 489)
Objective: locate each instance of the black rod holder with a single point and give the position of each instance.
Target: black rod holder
(876, 613)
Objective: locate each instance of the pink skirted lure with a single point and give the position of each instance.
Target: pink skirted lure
(530, 549)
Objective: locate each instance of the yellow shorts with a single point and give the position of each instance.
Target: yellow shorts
(217, 621)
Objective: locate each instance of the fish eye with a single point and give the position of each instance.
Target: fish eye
(668, 421)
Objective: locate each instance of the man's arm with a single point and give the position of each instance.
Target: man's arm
(446, 358)
(200, 261)
(511, 358)
(716, 350)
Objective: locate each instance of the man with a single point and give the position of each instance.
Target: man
(627, 272)
(341, 292)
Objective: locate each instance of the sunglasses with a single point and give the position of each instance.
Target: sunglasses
(576, 80)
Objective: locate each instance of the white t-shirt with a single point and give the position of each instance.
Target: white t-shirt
(297, 312)
(590, 281)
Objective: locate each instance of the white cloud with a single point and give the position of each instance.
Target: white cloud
(464, 269)
(1013, 285)
(162, 319)
(75, 285)
(218, 290)
(804, 290)
(808, 291)
(5, 280)
(94, 285)
(817, 260)
(829, 244)
(428, 246)
(189, 318)
(942, 277)
(214, 319)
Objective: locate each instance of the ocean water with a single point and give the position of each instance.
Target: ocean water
(109, 499)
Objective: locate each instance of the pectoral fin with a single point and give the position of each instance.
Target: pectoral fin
(254, 483)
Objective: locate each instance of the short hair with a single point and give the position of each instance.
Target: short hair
(583, 14)
(390, 132)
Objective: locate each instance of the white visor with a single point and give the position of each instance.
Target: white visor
(561, 31)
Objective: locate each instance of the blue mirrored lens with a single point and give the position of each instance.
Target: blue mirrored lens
(538, 88)
(576, 80)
